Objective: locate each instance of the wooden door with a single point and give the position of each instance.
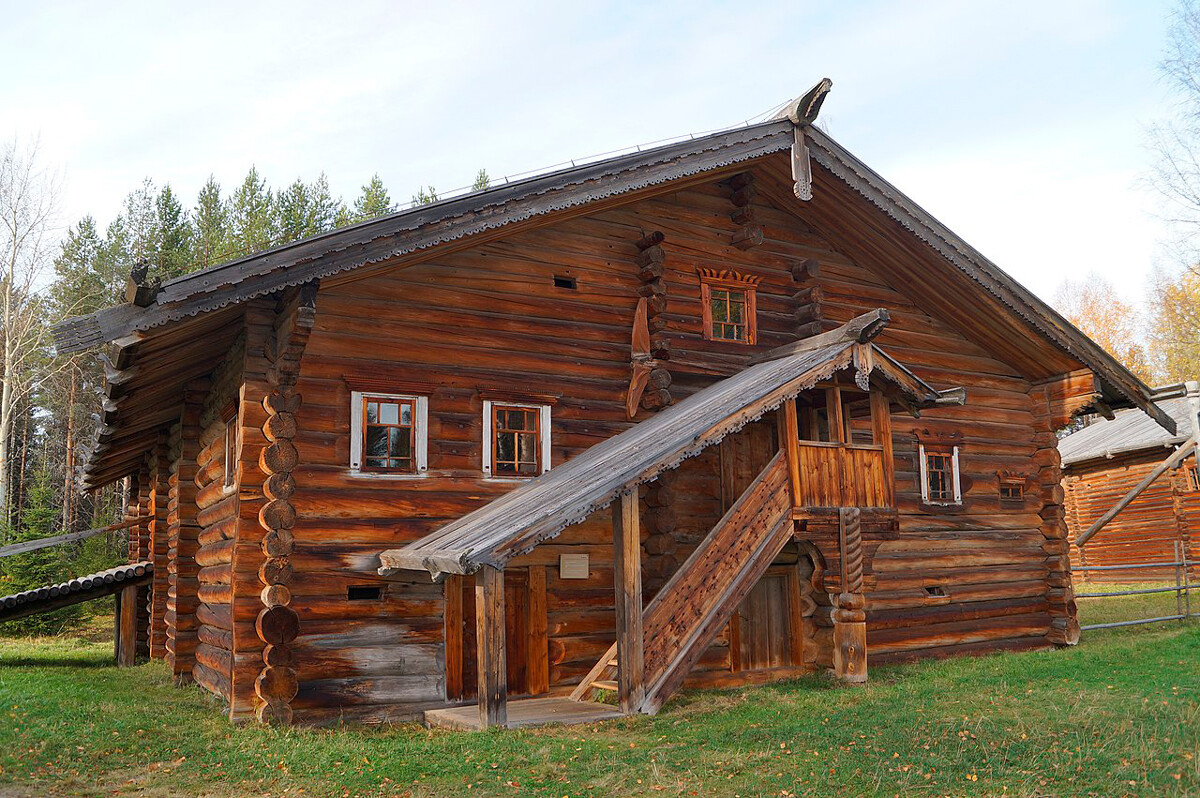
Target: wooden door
(763, 637)
(525, 640)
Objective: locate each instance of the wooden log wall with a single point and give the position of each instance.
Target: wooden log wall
(249, 553)
(277, 623)
(139, 549)
(492, 319)
(158, 527)
(1145, 531)
(183, 536)
(651, 272)
(217, 508)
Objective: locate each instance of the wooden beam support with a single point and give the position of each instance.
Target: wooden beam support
(490, 647)
(627, 578)
(125, 627)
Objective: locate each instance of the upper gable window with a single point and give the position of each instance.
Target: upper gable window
(1192, 478)
(516, 439)
(729, 304)
(389, 433)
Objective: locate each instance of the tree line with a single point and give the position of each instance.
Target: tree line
(49, 403)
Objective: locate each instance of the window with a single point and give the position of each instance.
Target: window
(231, 450)
(389, 433)
(1192, 478)
(1012, 487)
(729, 306)
(939, 474)
(516, 439)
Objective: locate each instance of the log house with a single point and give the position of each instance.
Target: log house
(1105, 461)
(713, 413)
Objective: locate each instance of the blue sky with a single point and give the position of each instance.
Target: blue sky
(1021, 125)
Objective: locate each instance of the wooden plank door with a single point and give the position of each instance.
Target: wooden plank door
(525, 639)
(764, 635)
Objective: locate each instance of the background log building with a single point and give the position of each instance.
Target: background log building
(816, 428)
(1104, 461)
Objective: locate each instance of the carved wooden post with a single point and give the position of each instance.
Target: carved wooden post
(492, 659)
(849, 618)
(627, 545)
(654, 287)
(278, 624)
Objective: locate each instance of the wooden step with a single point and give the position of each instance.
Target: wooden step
(605, 684)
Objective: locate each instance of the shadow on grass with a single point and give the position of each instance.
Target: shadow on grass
(46, 662)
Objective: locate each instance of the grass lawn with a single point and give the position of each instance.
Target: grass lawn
(1117, 715)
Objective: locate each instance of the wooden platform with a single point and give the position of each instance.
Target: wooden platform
(525, 712)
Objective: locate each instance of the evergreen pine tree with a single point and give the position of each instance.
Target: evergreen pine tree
(294, 212)
(252, 216)
(42, 567)
(326, 211)
(211, 241)
(174, 256)
(482, 181)
(373, 202)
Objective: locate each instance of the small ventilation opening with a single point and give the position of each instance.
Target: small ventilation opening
(565, 282)
(364, 592)
(935, 591)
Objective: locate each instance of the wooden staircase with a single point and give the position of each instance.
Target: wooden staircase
(690, 610)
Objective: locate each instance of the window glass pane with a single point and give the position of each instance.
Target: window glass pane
(406, 414)
(372, 412)
(736, 310)
(720, 308)
(401, 442)
(527, 448)
(400, 465)
(376, 443)
(376, 462)
(505, 445)
(389, 413)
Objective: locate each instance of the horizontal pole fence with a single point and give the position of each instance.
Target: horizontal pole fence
(1182, 589)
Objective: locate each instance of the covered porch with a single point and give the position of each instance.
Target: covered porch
(659, 642)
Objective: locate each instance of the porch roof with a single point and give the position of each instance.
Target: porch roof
(515, 523)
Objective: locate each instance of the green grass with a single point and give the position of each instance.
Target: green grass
(1118, 715)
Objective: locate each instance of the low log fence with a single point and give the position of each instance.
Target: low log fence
(1182, 589)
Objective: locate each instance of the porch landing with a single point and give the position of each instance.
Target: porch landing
(525, 712)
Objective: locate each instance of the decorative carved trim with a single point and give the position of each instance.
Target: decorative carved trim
(381, 383)
(728, 276)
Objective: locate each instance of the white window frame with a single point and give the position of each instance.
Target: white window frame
(955, 481)
(543, 425)
(420, 434)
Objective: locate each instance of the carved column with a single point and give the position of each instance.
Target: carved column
(278, 624)
(849, 616)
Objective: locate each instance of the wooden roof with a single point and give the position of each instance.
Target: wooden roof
(540, 509)
(892, 234)
(1129, 431)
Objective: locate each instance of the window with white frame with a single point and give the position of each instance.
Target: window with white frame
(940, 483)
(231, 451)
(389, 433)
(516, 439)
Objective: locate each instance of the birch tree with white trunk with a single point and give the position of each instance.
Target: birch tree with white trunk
(27, 216)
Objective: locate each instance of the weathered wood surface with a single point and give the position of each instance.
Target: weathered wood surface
(75, 591)
(1145, 531)
(489, 316)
